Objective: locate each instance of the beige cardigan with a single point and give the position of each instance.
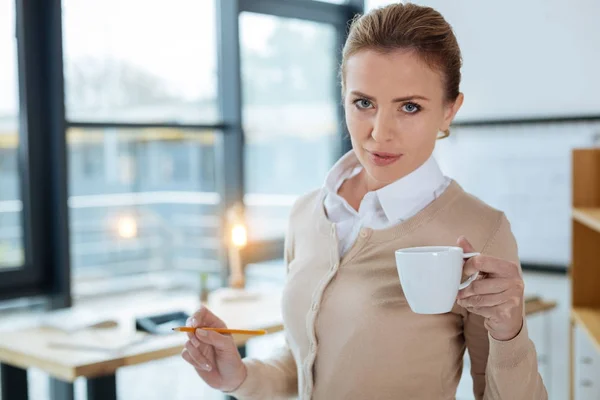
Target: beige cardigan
(351, 334)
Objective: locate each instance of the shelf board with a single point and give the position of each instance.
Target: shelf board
(590, 217)
(589, 319)
(534, 305)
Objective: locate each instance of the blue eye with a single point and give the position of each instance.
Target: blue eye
(411, 108)
(363, 104)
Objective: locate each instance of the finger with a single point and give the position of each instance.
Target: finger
(487, 300)
(199, 359)
(191, 321)
(202, 347)
(215, 339)
(188, 358)
(206, 349)
(465, 244)
(486, 312)
(485, 286)
(491, 265)
(205, 317)
(504, 311)
(195, 342)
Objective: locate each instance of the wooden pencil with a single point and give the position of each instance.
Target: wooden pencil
(221, 330)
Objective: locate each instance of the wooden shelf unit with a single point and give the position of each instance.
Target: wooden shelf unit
(589, 217)
(585, 261)
(589, 319)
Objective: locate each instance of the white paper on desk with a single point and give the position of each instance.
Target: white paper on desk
(231, 295)
(106, 340)
(71, 320)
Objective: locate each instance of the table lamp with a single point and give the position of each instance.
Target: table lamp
(237, 240)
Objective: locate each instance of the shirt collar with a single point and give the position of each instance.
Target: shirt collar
(345, 168)
(398, 198)
(401, 197)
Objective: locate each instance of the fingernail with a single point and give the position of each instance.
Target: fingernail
(194, 322)
(201, 333)
(206, 367)
(195, 342)
(188, 322)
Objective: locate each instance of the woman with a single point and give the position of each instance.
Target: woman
(350, 332)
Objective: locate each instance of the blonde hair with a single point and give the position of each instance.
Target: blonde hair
(408, 27)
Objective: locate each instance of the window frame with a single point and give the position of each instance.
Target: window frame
(42, 156)
(336, 15)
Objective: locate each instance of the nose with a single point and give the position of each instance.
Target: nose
(383, 127)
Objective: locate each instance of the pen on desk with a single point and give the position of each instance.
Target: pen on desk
(222, 330)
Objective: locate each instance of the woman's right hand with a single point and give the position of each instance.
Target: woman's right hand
(214, 356)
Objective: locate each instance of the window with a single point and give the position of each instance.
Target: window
(148, 147)
(140, 61)
(11, 227)
(290, 114)
(142, 189)
(146, 204)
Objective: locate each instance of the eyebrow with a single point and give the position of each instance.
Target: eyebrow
(396, 100)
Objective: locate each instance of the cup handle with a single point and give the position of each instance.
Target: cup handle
(470, 279)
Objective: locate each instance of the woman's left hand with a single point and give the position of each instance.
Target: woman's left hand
(498, 297)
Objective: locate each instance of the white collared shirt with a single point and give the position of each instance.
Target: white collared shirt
(381, 208)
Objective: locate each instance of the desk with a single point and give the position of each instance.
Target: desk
(535, 305)
(32, 346)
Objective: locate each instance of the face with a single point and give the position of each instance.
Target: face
(395, 108)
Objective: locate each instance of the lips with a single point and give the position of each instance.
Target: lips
(382, 159)
(385, 155)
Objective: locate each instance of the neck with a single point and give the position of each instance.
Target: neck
(369, 183)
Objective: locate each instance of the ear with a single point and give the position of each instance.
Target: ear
(451, 110)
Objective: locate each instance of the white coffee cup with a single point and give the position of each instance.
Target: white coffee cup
(430, 277)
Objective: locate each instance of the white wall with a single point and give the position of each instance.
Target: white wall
(524, 170)
(525, 58)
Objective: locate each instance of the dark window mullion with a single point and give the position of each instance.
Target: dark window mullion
(42, 154)
(26, 277)
(229, 151)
